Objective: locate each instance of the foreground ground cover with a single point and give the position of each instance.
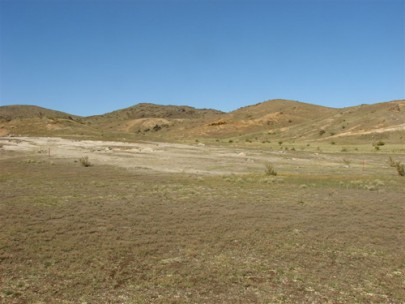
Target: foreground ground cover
(106, 234)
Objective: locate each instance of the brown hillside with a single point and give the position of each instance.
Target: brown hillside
(266, 116)
(25, 111)
(33, 120)
(364, 122)
(148, 110)
(282, 106)
(152, 120)
(267, 121)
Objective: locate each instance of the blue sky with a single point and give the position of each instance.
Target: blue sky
(90, 57)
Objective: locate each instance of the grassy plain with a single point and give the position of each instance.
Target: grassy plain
(106, 234)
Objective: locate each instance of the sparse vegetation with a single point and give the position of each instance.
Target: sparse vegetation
(95, 236)
(174, 223)
(397, 165)
(377, 145)
(269, 169)
(85, 162)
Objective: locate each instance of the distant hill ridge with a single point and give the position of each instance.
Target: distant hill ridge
(29, 111)
(149, 110)
(287, 119)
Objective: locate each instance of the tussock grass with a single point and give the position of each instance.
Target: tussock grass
(85, 162)
(397, 165)
(269, 169)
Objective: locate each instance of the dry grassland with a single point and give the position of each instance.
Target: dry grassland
(107, 234)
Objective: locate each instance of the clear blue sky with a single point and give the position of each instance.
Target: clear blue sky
(90, 57)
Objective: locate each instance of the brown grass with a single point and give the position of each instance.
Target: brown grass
(70, 234)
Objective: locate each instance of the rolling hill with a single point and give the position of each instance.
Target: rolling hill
(283, 119)
(38, 121)
(148, 119)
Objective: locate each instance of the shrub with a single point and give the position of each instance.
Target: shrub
(379, 143)
(397, 165)
(84, 161)
(269, 169)
(391, 162)
(401, 170)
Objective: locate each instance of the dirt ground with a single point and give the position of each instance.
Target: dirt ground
(176, 223)
(185, 158)
(160, 157)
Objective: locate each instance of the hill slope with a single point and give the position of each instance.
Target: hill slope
(364, 123)
(274, 119)
(25, 111)
(266, 116)
(152, 120)
(33, 120)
